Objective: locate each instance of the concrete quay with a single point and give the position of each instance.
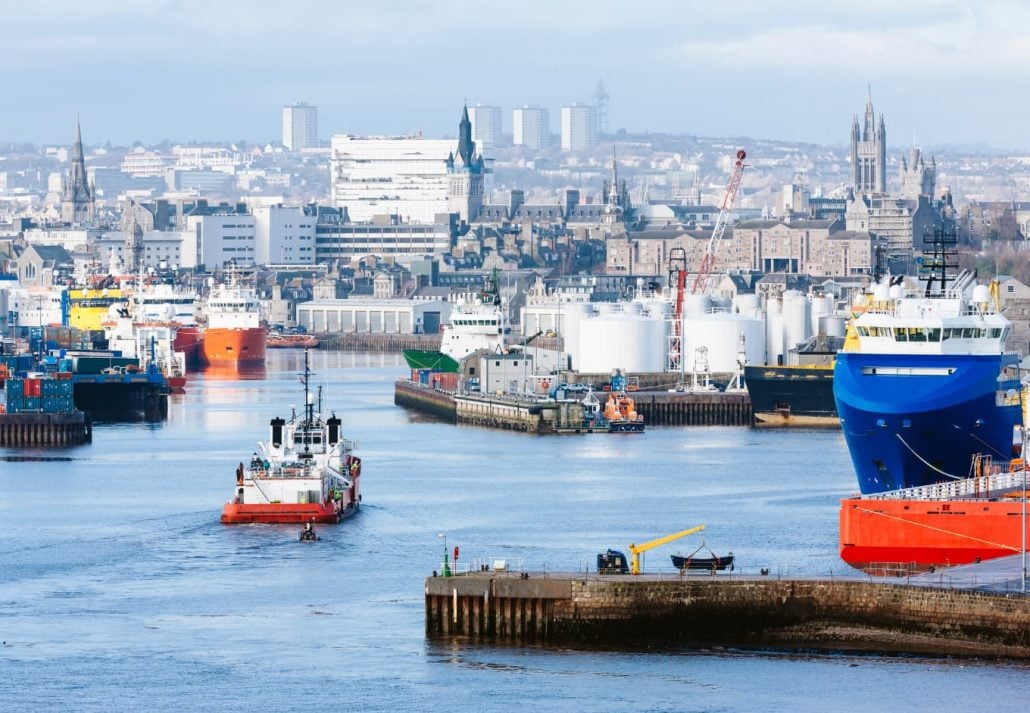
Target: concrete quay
(727, 610)
(659, 408)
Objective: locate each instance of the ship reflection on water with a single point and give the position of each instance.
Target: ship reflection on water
(234, 373)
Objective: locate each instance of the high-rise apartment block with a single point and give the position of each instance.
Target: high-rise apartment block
(300, 126)
(486, 125)
(531, 127)
(579, 127)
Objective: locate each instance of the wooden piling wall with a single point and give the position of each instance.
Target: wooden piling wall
(20, 430)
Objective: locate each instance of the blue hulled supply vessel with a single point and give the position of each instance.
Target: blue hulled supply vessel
(924, 382)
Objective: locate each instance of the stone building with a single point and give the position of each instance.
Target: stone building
(917, 177)
(869, 153)
(808, 247)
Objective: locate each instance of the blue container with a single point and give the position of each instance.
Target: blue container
(31, 403)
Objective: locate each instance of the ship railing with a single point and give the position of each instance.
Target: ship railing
(970, 488)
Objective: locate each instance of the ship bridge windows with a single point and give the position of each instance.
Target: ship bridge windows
(976, 333)
(917, 334)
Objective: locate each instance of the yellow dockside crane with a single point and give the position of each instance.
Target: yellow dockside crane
(637, 550)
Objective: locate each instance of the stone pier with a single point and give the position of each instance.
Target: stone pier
(849, 614)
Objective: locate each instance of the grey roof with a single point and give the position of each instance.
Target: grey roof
(53, 253)
(528, 211)
(758, 224)
(853, 235)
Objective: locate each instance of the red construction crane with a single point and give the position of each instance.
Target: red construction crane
(708, 261)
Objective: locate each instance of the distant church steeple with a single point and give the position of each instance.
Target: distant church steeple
(869, 152)
(77, 195)
(465, 174)
(466, 146)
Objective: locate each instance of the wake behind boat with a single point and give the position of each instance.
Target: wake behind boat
(305, 472)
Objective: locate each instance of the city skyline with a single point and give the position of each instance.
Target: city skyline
(943, 71)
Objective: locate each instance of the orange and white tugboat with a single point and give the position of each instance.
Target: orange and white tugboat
(305, 472)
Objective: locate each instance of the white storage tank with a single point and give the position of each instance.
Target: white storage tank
(747, 304)
(795, 319)
(832, 325)
(697, 304)
(633, 343)
(720, 333)
(571, 316)
(821, 305)
(774, 331)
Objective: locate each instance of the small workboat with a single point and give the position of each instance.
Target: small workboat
(710, 563)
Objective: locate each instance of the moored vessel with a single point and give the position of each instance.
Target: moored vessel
(235, 335)
(924, 382)
(172, 306)
(304, 472)
(792, 395)
(971, 520)
(477, 322)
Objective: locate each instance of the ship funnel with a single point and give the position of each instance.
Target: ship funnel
(334, 430)
(277, 432)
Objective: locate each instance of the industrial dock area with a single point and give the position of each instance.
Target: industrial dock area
(733, 610)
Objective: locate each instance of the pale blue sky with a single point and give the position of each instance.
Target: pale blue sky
(951, 71)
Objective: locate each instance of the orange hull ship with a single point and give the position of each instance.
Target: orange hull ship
(240, 347)
(973, 520)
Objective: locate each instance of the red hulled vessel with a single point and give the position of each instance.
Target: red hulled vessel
(305, 472)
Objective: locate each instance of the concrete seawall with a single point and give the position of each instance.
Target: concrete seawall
(425, 400)
(727, 610)
(659, 408)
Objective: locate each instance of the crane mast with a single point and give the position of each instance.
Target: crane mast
(704, 271)
(637, 550)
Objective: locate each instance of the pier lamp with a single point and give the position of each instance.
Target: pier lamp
(446, 571)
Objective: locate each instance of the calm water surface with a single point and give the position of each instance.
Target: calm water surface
(120, 590)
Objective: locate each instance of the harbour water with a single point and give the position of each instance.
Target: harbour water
(120, 590)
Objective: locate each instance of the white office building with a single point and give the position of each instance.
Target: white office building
(579, 127)
(531, 127)
(283, 235)
(222, 238)
(402, 177)
(300, 126)
(486, 125)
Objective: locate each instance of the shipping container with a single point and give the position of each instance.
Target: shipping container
(33, 388)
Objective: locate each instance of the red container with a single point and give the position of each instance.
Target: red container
(33, 387)
(448, 381)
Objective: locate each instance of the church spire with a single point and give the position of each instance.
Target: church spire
(466, 147)
(77, 195)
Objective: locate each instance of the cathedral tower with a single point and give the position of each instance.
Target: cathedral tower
(869, 153)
